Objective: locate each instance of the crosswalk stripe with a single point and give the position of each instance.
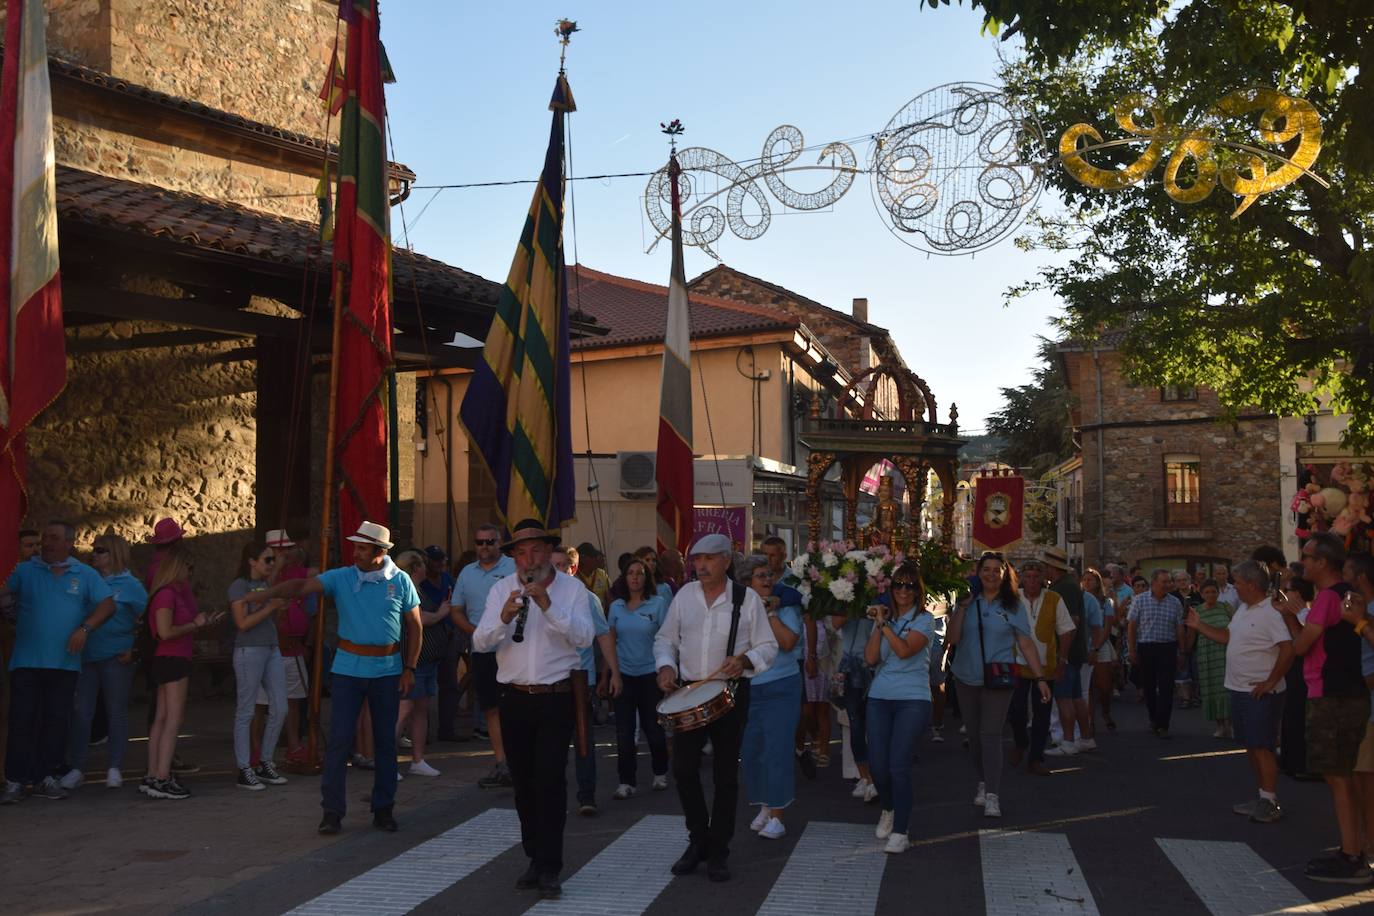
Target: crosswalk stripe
(835, 869)
(1230, 878)
(1032, 873)
(625, 877)
(398, 886)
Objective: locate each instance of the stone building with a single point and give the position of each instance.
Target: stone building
(189, 142)
(1167, 479)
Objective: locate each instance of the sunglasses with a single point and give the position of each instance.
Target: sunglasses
(903, 584)
(485, 542)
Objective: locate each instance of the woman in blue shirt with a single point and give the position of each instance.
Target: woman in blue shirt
(635, 620)
(774, 709)
(107, 663)
(853, 634)
(898, 698)
(984, 628)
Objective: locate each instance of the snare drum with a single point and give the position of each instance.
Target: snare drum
(695, 705)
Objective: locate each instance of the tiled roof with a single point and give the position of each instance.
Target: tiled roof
(201, 222)
(637, 313)
(863, 326)
(72, 71)
(1107, 340)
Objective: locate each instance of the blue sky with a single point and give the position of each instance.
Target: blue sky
(471, 105)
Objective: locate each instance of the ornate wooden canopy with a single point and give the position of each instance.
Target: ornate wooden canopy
(913, 441)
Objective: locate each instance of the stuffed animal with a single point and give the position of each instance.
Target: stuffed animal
(1340, 473)
(1302, 514)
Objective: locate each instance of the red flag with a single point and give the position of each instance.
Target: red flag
(335, 88)
(33, 357)
(998, 510)
(673, 467)
(361, 266)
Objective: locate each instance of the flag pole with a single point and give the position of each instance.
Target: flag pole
(326, 521)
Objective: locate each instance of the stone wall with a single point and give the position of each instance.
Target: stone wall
(263, 59)
(1239, 473)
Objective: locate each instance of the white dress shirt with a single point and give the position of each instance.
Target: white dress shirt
(693, 637)
(552, 637)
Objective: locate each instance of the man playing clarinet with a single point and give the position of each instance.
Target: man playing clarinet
(715, 629)
(535, 621)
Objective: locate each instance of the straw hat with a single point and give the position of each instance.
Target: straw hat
(529, 530)
(374, 534)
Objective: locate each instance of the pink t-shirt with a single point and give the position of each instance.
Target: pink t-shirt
(1326, 612)
(178, 596)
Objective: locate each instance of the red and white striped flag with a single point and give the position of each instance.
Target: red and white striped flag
(33, 357)
(673, 468)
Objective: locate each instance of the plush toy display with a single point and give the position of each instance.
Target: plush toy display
(1336, 498)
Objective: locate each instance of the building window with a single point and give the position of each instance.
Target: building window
(1182, 491)
(1178, 393)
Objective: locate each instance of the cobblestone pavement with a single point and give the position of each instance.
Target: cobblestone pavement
(1141, 826)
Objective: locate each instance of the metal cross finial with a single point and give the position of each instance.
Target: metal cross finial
(673, 129)
(564, 30)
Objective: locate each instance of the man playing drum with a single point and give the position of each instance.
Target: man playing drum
(535, 621)
(714, 629)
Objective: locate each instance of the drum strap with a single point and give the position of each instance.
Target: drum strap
(737, 597)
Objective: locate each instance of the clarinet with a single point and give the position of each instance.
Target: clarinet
(519, 635)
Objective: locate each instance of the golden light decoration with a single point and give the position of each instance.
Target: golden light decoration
(1282, 120)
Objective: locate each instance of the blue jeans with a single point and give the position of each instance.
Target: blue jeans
(116, 679)
(383, 698)
(894, 727)
(856, 707)
(254, 665)
(769, 732)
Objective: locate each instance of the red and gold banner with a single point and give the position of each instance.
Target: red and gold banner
(999, 510)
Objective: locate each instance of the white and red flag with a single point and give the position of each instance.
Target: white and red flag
(673, 468)
(33, 357)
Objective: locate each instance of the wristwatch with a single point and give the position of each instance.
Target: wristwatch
(86, 628)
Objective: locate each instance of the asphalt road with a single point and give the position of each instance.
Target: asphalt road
(1141, 826)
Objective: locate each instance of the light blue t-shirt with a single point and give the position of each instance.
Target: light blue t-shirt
(1000, 626)
(904, 678)
(1092, 613)
(470, 591)
(116, 635)
(634, 634)
(49, 608)
(599, 628)
(369, 615)
(665, 591)
(1367, 663)
(854, 636)
(784, 663)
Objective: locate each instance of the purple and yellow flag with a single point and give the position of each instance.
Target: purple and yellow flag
(516, 409)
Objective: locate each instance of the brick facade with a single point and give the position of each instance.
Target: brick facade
(1135, 434)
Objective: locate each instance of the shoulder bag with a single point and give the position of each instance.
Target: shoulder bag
(996, 675)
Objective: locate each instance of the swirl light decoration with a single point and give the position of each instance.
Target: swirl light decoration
(956, 170)
(1246, 174)
(703, 221)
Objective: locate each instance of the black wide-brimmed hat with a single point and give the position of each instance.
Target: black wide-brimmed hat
(529, 530)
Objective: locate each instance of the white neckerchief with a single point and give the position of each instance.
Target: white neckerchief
(388, 571)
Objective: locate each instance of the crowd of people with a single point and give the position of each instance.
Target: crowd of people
(1278, 658)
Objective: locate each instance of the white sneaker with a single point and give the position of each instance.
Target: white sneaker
(404, 741)
(773, 830)
(1087, 744)
(760, 820)
(963, 729)
(113, 778)
(980, 797)
(660, 783)
(897, 843)
(72, 779)
(624, 791)
(992, 807)
(861, 788)
(1063, 749)
(870, 793)
(884, 825)
(420, 768)
(708, 749)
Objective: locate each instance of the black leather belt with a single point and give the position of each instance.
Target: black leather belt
(563, 686)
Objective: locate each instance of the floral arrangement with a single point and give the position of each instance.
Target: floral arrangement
(837, 578)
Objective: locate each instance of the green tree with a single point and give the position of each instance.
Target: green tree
(1254, 306)
(1034, 420)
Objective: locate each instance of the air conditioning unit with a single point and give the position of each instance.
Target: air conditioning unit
(637, 473)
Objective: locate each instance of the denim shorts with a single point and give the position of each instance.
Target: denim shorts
(426, 682)
(1256, 722)
(1071, 687)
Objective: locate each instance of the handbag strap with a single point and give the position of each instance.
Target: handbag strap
(899, 634)
(982, 647)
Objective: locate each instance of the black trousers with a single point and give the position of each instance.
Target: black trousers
(448, 689)
(1293, 759)
(639, 698)
(536, 729)
(711, 829)
(1039, 715)
(40, 719)
(1158, 665)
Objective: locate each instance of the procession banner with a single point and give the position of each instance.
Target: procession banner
(998, 511)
